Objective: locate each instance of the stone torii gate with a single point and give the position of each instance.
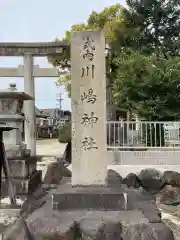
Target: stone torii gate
(29, 71)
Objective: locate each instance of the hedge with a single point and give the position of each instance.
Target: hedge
(65, 133)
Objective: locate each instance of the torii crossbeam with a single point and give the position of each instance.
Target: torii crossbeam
(37, 72)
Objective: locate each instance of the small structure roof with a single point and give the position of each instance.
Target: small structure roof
(14, 95)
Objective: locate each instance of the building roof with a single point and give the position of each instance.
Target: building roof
(51, 111)
(14, 95)
(56, 112)
(38, 113)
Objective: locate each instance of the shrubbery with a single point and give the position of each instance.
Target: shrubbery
(65, 133)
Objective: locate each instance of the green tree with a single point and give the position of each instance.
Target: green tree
(150, 27)
(65, 133)
(108, 20)
(145, 76)
(149, 87)
(146, 63)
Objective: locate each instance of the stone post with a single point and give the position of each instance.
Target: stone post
(128, 116)
(29, 106)
(88, 95)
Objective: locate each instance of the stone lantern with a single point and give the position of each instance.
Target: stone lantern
(22, 167)
(11, 104)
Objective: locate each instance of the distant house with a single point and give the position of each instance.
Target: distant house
(40, 118)
(57, 116)
(48, 121)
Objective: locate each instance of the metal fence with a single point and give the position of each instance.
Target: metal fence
(143, 135)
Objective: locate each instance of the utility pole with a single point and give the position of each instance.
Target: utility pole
(59, 100)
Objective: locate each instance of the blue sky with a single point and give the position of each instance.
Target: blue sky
(42, 20)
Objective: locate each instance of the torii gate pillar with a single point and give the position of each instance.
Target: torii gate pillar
(29, 106)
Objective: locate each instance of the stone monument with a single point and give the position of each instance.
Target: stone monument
(88, 188)
(22, 166)
(89, 165)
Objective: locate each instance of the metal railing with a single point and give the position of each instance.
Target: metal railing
(143, 134)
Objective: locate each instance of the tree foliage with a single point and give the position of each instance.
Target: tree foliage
(150, 27)
(108, 20)
(149, 86)
(145, 76)
(143, 60)
(65, 133)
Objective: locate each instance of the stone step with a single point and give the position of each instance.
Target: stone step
(23, 185)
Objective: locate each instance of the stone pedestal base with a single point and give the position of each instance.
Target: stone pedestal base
(92, 220)
(109, 198)
(97, 198)
(23, 186)
(22, 170)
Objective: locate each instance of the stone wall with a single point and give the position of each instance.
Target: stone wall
(125, 162)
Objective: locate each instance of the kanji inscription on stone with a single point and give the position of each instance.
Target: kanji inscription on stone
(88, 96)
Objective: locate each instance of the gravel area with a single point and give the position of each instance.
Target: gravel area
(49, 147)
